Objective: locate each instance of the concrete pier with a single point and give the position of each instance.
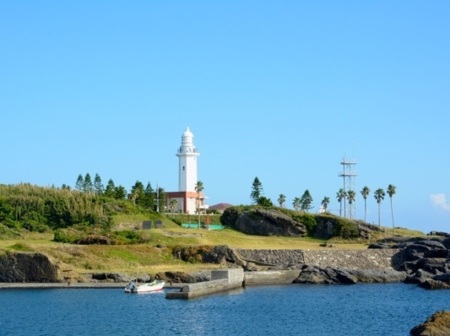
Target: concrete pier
(221, 280)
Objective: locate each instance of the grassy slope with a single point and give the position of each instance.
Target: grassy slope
(155, 256)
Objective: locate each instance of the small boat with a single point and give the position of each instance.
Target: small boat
(146, 287)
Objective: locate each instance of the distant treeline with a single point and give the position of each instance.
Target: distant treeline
(146, 197)
(35, 208)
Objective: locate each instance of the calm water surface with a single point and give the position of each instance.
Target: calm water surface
(363, 309)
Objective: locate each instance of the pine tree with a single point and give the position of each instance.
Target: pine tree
(98, 185)
(257, 190)
(110, 190)
(80, 183)
(87, 185)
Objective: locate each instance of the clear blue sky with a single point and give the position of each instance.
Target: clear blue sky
(279, 90)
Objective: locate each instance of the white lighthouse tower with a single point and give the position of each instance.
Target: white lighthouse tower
(187, 199)
(187, 170)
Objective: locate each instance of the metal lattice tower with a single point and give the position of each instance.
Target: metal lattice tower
(348, 175)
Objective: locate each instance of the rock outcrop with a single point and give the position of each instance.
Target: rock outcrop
(265, 222)
(328, 275)
(425, 260)
(436, 325)
(27, 267)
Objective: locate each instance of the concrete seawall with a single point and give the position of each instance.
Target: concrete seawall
(345, 259)
(221, 280)
(226, 279)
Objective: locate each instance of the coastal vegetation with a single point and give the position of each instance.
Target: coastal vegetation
(88, 229)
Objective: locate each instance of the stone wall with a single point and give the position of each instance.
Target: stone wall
(345, 259)
(351, 259)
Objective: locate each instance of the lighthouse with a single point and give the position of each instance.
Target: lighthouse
(187, 166)
(187, 199)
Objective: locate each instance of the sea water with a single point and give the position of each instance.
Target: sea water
(362, 309)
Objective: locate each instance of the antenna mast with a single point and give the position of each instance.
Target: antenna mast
(348, 174)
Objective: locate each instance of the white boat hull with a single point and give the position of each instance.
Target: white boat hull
(134, 287)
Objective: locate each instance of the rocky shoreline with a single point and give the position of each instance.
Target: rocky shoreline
(422, 261)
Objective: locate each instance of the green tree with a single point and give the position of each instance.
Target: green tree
(110, 190)
(257, 190)
(137, 190)
(325, 202)
(391, 192)
(172, 205)
(80, 183)
(120, 192)
(264, 202)
(351, 197)
(199, 189)
(296, 203)
(379, 196)
(98, 185)
(281, 200)
(365, 191)
(306, 201)
(88, 186)
(341, 195)
(149, 197)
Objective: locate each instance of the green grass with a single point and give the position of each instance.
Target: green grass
(22, 247)
(156, 254)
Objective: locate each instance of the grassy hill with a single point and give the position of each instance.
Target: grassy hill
(32, 217)
(155, 255)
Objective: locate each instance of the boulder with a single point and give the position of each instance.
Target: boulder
(181, 277)
(115, 277)
(27, 267)
(317, 275)
(266, 222)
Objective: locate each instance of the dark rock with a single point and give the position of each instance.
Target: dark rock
(27, 267)
(325, 229)
(113, 277)
(317, 275)
(265, 222)
(418, 277)
(378, 276)
(94, 239)
(181, 277)
(434, 284)
(438, 233)
(446, 243)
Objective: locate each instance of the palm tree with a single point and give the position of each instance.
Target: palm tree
(341, 195)
(351, 196)
(379, 196)
(173, 204)
(391, 192)
(198, 188)
(296, 203)
(365, 192)
(325, 202)
(281, 200)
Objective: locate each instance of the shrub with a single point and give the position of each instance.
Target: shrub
(127, 237)
(309, 221)
(346, 229)
(70, 236)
